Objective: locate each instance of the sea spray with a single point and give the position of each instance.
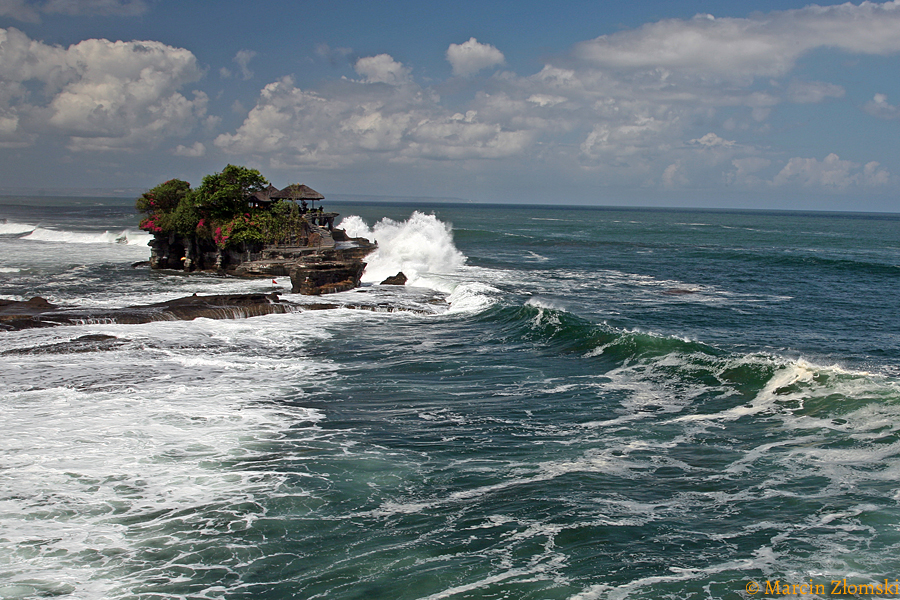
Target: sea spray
(130, 237)
(16, 229)
(419, 246)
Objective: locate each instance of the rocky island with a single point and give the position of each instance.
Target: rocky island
(236, 223)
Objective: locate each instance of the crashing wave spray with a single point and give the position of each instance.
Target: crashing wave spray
(132, 238)
(418, 246)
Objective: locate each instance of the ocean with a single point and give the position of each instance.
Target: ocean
(562, 403)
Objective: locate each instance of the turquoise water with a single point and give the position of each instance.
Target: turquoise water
(569, 403)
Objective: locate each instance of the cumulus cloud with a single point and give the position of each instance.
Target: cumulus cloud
(29, 11)
(101, 94)
(242, 60)
(195, 151)
(830, 173)
(471, 57)
(647, 105)
(879, 107)
(358, 122)
(711, 140)
(673, 176)
(382, 69)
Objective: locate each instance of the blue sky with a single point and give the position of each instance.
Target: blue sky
(677, 103)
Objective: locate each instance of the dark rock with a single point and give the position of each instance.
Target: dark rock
(327, 277)
(37, 312)
(28, 307)
(398, 279)
(86, 343)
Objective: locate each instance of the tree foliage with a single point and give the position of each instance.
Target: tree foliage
(218, 210)
(164, 197)
(222, 195)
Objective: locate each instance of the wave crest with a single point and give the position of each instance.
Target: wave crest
(132, 238)
(421, 245)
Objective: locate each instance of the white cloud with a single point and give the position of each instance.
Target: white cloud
(736, 49)
(636, 106)
(102, 94)
(546, 99)
(242, 59)
(359, 122)
(750, 165)
(673, 176)
(471, 57)
(879, 107)
(195, 151)
(382, 69)
(830, 173)
(813, 92)
(711, 140)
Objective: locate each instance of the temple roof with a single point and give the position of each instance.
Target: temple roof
(297, 191)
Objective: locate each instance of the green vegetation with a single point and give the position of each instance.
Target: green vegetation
(218, 210)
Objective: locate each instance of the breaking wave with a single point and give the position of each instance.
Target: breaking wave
(15, 229)
(127, 236)
(421, 247)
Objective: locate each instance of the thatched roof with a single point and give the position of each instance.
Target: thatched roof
(264, 195)
(296, 191)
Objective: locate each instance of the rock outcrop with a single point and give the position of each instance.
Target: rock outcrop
(324, 261)
(398, 279)
(327, 277)
(37, 312)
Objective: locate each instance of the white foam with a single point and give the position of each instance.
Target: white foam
(148, 434)
(15, 228)
(472, 297)
(536, 257)
(419, 246)
(127, 236)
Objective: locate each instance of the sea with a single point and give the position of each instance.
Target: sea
(561, 403)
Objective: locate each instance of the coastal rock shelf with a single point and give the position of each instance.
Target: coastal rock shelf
(314, 270)
(38, 312)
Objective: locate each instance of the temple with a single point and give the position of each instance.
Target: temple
(299, 240)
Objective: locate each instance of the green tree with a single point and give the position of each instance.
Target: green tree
(224, 195)
(185, 218)
(164, 197)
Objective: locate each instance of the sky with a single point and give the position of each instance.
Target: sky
(695, 103)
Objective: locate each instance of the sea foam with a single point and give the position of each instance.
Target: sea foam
(132, 238)
(418, 246)
(7, 228)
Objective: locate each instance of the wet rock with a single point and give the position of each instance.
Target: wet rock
(37, 312)
(86, 343)
(398, 279)
(327, 277)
